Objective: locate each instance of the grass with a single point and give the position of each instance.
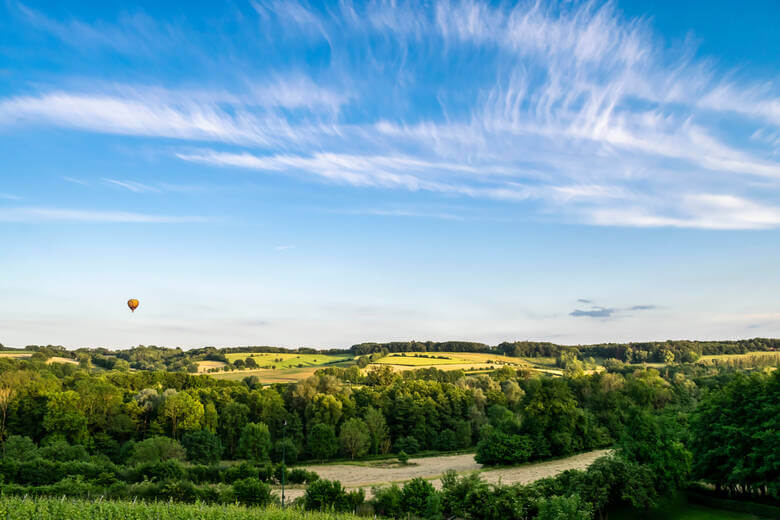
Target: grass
(277, 368)
(285, 360)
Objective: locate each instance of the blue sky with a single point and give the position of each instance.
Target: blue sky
(293, 173)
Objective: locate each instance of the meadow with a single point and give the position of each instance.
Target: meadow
(270, 375)
(447, 361)
(273, 367)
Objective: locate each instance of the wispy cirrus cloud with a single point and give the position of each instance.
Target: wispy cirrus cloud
(42, 214)
(73, 180)
(135, 187)
(570, 110)
(704, 211)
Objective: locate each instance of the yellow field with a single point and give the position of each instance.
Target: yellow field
(205, 366)
(270, 359)
(451, 361)
(61, 360)
(748, 355)
(24, 355)
(269, 376)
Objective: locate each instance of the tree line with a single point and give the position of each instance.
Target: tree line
(178, 360)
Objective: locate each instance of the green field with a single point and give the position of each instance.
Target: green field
(14, 508)
(286, 360)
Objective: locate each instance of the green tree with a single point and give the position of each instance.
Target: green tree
(210, 417)
(355, 438)
(17, 447)
(64, 416)
(736, 432)
(232, 421)
(157, 449)
(564, 508)
(322, 442)
(377, 429)
(183, 412)
(654, 443)
(286, 447)
(202, 447)
(255, 442)
(324, 408)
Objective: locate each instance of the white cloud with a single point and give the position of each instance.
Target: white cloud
(570, 104)
(135, 187)
(367, 171)
(75, 181)
(705, 211)
(35, 214)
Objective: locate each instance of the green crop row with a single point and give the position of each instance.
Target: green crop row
(16, 508)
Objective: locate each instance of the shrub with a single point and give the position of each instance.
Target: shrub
(403, 458)
(200, 473)
(407, 444)
(564, 508)
(301, 476)
(387, 501)
(415, 495)
(239, 471)
(328, 494)
(252, 491)
(156, 449)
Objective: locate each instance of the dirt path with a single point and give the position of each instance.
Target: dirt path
(430, 468)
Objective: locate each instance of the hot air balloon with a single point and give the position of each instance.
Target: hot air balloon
(132, 303)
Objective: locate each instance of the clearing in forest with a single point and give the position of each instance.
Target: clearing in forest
(288, 360)
(447, 360)
(377, 473)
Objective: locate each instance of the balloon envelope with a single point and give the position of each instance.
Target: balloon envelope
(132, 303)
